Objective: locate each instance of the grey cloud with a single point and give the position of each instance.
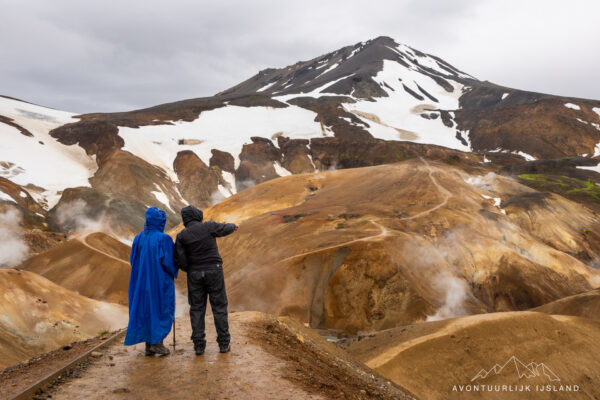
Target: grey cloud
(112, 56)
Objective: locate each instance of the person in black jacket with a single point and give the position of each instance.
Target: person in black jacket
(196, 252)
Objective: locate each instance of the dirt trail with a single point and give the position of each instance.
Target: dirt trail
(384, 231)
(270, 359)
(247, 372)
(84, 241)
(439, 187)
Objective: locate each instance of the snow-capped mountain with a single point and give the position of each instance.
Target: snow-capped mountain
(372, 103)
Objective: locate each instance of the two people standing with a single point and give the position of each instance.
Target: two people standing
(154, 265)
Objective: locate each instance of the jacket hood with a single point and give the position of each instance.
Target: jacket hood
(155, 219)
(191, 213)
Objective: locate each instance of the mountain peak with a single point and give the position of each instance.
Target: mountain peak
(351, 68)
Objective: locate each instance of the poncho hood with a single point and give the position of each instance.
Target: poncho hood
(155, 219)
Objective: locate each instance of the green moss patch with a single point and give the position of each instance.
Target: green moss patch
(564, 185)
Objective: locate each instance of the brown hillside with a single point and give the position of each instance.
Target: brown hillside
(586, 305)
(430, 358)
(385, 246)
(96, 266)
(37, 316)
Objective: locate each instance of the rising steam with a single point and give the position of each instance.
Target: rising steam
(13, 249)
(76, 218)
(454, 303)
(445, 281)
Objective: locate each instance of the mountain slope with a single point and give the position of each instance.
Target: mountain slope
(371, 103)
(492, 349)
(377, 247)
(586, 305)
(54, 316)
(96, 266)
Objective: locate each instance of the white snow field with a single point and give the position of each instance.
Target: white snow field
(226, 128)
(401, 111)
(41, 160)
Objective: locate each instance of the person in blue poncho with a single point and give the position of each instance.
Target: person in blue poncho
(151, 286)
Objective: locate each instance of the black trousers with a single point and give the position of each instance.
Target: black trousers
(211, 284)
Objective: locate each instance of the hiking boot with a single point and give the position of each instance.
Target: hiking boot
(199, 350)
(148, 352)
(157, 349)
(225, 349)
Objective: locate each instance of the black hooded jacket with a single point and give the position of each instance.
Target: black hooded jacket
(196, 245)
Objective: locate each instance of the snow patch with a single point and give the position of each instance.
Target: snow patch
(572, 106)
(505, 95)
(316, 93)
(334, 66)
(497, 202)
(280, 170)
(527, 157)
(161, 197)
(595, 169)
(6, 197)
(354, 52)
(597, 150)
(230, 179)
(268, 85)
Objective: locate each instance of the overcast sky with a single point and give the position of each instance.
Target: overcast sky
(93, 55)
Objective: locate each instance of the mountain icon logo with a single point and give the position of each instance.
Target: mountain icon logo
(531, 370)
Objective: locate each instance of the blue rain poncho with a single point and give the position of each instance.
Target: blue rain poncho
(151, 286)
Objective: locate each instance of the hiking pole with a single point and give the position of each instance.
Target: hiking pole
(174, 341)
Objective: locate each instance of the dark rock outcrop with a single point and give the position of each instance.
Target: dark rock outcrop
(256, 163)
(122, 188)
(10, 122)
(295, 155)
(96, 137)
(197, 181)
(332, 115)
(223, 160)
(335, 153)
(537, 124)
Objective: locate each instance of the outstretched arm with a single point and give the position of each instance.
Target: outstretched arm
(166, 256)
(220, 230)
